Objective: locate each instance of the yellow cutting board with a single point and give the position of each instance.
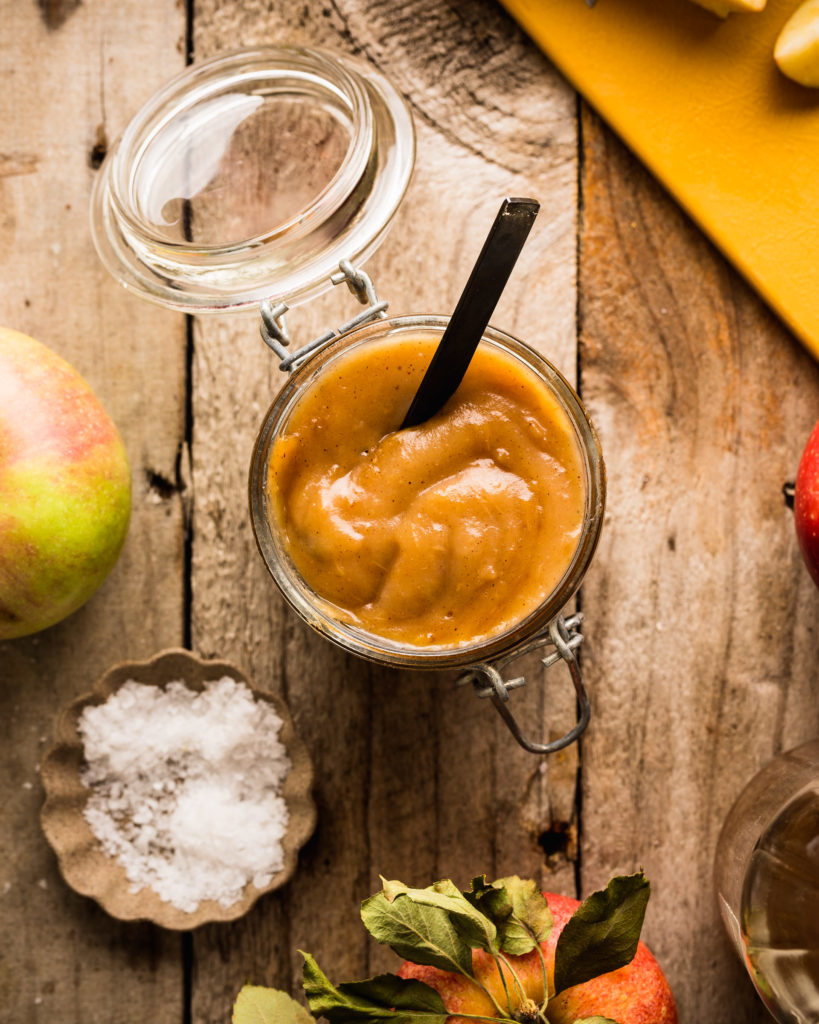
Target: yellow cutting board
(702, 104)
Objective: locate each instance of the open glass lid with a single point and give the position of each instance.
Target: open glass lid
(250, 176)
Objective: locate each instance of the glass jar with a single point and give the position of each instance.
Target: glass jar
(318, 612)
(767, 882)
(259, 179)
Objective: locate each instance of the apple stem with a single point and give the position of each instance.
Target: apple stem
(545, 1002)
(500, 958)
(505, 986)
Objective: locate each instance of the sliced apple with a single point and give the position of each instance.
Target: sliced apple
(797, 49)
(725, 7)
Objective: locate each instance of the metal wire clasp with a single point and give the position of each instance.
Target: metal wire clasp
(274, 330)
(564, 636)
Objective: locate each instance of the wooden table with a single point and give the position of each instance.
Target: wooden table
(701, 624)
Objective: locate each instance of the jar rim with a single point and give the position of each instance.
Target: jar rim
(316, 612)
(190, 122)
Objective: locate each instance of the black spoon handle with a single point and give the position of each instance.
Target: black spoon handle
(475, 306)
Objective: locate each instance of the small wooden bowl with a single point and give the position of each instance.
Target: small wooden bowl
(82, 862)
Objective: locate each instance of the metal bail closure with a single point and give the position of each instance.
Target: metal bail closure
(564, 636)
(274, 330)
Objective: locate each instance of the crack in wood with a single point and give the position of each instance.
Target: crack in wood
(558, 842)
(162, 486)
(99, 150)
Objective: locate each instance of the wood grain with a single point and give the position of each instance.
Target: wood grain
(703, 621)
(700, 625)
(72, 75)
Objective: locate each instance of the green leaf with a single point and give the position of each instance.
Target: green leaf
(475, 928)
(385, 998)
(518, 909)
(417, 932)
(258, 1005)
(491, 898)
(603, 932)
(399, 993)
(531, 917)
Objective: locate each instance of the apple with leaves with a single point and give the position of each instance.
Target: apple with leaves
(499, 952)
(636, 993)
(65, 488)
(806, 504)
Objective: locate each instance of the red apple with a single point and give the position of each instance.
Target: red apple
(65, 488)
(806, 504)
(635, 994)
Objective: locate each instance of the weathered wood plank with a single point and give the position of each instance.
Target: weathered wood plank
(701, 631)
(415, 780)
(72, 75)
(702, 621)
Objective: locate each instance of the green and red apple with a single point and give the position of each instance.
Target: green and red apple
(635, 994)
(65, 488)
(806, 504)
(490, 955)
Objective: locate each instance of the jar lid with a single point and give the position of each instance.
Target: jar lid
(249, 176)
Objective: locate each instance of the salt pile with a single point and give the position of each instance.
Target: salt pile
(186, 788)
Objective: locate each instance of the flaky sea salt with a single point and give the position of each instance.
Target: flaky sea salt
(186, 788)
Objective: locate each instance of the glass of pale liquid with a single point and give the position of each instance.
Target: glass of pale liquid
(767, 882)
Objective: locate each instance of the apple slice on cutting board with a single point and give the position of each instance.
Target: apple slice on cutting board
(797, 47)
(725, 7)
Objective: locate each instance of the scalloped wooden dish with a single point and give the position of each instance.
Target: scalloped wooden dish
(82, 862)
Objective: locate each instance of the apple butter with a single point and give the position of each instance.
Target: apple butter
(437, 536)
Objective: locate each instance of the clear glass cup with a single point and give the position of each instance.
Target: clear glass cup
(767, 881)
(316, 611)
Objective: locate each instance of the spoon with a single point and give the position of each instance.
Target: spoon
(498, 256)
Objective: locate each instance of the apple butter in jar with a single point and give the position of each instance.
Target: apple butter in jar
(438, 545)
(261, 178)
